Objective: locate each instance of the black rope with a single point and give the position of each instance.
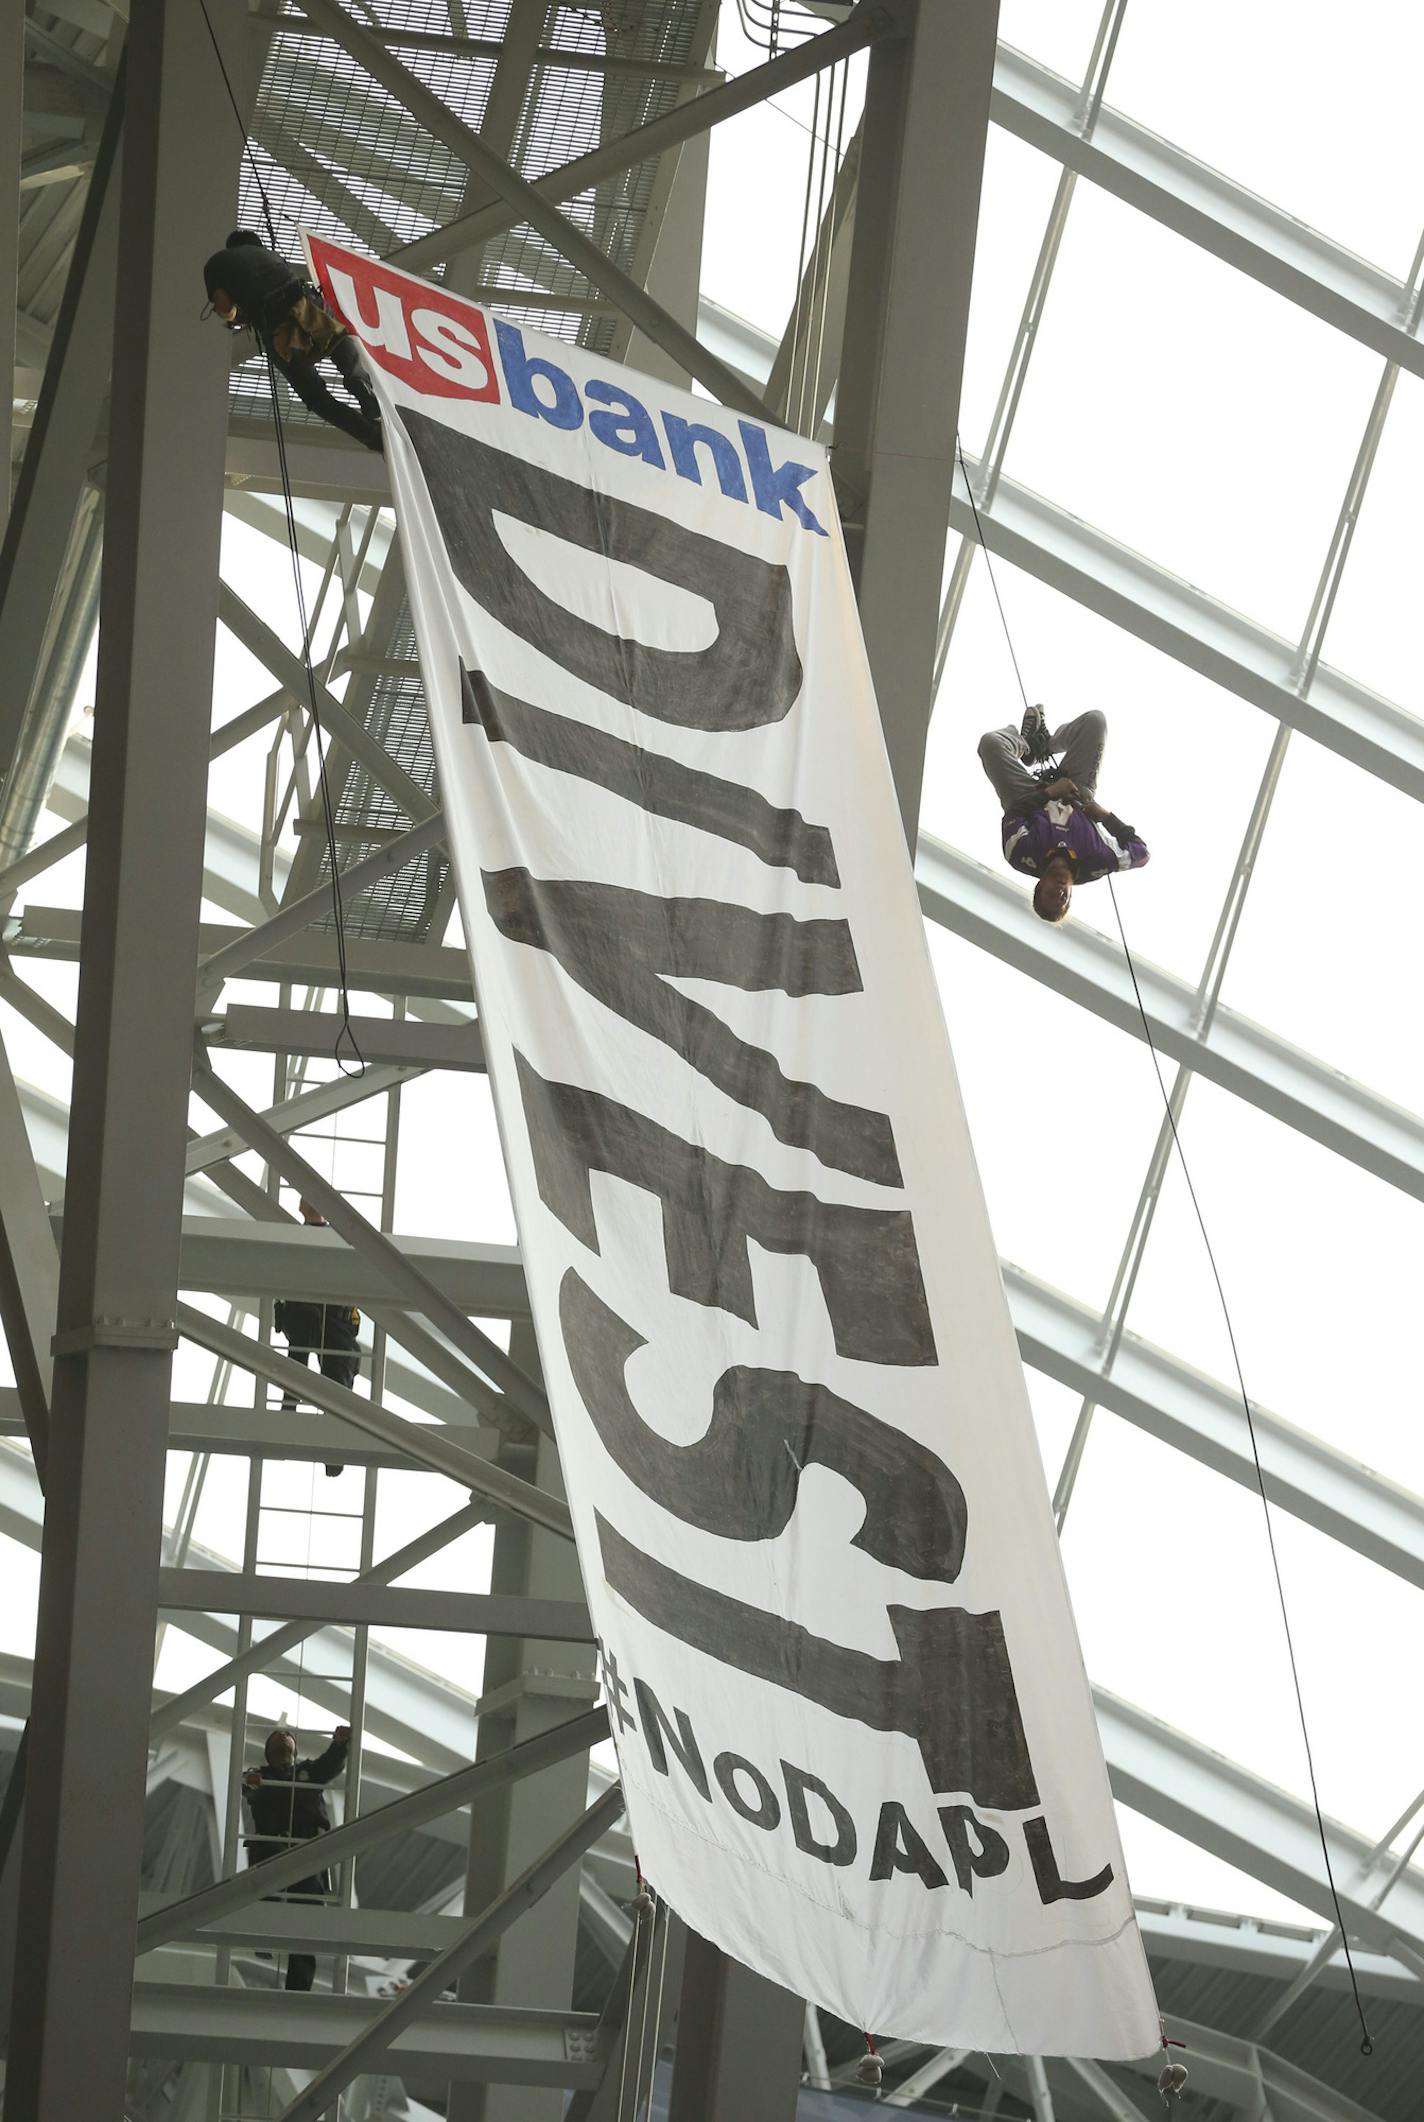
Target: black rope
(241, 125)
(1366, 2044)
(345, 1036)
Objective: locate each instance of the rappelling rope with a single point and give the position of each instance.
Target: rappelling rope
(1366, 2044)
(345, 1036)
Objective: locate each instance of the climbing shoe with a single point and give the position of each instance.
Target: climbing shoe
(1034, 730)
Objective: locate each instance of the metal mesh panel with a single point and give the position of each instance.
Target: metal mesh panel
(399, 905)
(339, 156)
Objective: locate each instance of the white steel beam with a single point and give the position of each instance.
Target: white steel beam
(376, 965)
(1255, 2080)
(413, 1290)
(229, 1258)
(176, 1919)
(990, 911)
(409, 1708)
(1197, 630)
(1220, 216)
(395, 1042)
(312, 1927)
(433, 1445)
(1110, 2100)
(261, 1652)
(351, 1604)
(296, 914)
(612, 157)
(1199, 1416)
(1278, 1952)
(232, 852)
(1265, 1832)
(467, 2042)
(233, 1430)
(926, 2078)
(295, 1114)
(481, 1933)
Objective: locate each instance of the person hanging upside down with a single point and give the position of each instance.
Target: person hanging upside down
(1054, 829)
(250, 287)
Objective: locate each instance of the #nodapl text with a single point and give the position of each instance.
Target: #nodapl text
(804, 1806)
(950, 1688)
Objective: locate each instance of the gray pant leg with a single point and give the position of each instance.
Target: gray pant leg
(1001, 754)
(1080, 743)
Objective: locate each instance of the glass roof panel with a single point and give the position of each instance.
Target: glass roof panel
(1319, 955)
(1313, 109)
(1167, 730)
(1014, 205)
(1202, 1648)
(1191, 413)
(1373, 629)
(1319, 1261)
(752, 242)
(1059, 32)
(1025, 1059)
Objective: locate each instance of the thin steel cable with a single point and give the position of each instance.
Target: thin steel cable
(993, 584)
(1366, 2043)
(345, 1035)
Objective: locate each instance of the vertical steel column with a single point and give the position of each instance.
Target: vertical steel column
(57, 455)
(674, 274)
(29, 1269)
(907, 308)
(738, 2042)
(119, 1271)
(12, 98)
(528, 1686)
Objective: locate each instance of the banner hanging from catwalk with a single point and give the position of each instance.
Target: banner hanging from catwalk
(850, 1711)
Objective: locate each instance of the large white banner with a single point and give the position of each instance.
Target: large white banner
(849, 1705)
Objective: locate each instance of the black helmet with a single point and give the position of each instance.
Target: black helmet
(241, 236)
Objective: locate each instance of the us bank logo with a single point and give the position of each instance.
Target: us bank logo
(439, 344)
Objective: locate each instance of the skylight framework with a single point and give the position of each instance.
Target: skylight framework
(347, 145)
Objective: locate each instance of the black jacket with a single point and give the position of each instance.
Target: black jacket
(289, 1802)
(328, 1328)
(253, 276)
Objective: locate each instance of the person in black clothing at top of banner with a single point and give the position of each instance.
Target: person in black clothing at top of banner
(251, 288)
(326, 1331)
(286, 1800)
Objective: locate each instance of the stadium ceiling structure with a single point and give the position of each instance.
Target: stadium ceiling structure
(548, 157)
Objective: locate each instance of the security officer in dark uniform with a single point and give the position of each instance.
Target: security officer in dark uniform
(286, 1801)
(250, 287)
(326, 1331)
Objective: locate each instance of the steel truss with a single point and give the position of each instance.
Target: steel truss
(893, 312)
